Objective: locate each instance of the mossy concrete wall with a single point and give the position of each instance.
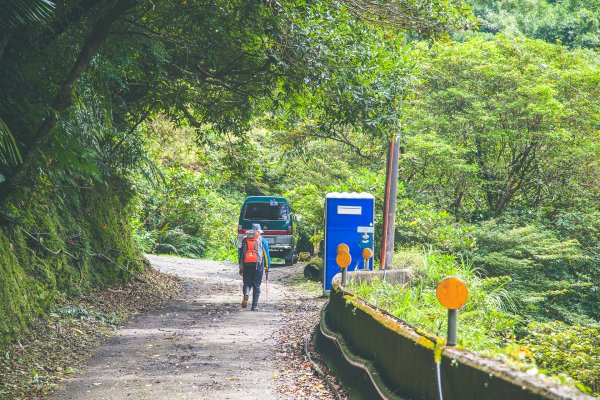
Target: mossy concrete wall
(57, 242)
(404, 359)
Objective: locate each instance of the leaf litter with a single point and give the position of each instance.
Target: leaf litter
(58, 345)
(295, 377)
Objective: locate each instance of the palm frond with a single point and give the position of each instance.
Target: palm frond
(14, 13)
(9, 151)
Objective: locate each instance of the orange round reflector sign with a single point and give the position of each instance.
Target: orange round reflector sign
(343, 247)
(367, 253)
(343, 259)
(452, 293)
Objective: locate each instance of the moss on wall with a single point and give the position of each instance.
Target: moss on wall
(59, 242)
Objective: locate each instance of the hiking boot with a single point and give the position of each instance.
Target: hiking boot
(255, 295)
(254, 308)
(245, 301)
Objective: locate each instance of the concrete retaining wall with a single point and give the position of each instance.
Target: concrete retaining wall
(396, 356)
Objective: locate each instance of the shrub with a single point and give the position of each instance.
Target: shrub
(570, 350)
(551, 279)
(420, 224)
(409, 258)
(192, 213)
(487, 323)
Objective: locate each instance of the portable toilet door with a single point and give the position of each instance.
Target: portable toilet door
(349, 220)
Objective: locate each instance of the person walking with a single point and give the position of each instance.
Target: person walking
(254, 259)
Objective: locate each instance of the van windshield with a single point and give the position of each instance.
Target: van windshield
(266, 211)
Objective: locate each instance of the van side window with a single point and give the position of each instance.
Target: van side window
(265, 211)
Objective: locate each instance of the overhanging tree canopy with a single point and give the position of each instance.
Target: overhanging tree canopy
(205, 61)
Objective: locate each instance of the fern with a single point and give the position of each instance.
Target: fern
(9, 151)
(14, 13)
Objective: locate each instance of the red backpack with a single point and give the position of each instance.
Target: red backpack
(253, 255)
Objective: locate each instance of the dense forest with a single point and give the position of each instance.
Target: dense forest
(129, 127)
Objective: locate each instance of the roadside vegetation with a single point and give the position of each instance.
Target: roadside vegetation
(492, 322)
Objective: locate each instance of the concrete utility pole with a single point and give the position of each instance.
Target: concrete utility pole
(389, 208)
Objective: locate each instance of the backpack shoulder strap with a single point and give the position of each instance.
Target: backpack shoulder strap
(266, 256)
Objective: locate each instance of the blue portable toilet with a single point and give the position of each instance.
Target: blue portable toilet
(349, 219)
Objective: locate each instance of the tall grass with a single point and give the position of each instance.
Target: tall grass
(484, 322)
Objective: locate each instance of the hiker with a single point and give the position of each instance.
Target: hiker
(254, 258)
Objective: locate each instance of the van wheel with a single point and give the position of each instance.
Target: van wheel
(289, 259)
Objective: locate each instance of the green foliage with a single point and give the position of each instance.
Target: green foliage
(358, 77)
(69, 229)
(205, 183)
(190, 217)
(488, 322)
(308, 199)
(15, 303)
(506, 127)
(408, 257)
(195, 212)
(551, 276)
(502, 126)
(421, 224)
(9, 152)
(516, 249)
(15, 13)
(494, 127)
(422, 17)
(212, 67)
(177, 242)
(574, 23)
(355, 73)
(308, 202)
(570, 350)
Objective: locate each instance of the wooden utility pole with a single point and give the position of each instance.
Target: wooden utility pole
(389, 208)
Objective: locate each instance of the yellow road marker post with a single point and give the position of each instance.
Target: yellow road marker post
(452, 293)
(343, 247)
(343, 260)
(367, 253)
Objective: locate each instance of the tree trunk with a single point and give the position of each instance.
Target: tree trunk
(389, 210)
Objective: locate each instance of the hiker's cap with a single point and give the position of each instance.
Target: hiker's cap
(256, 227)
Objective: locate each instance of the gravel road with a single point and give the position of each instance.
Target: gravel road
(205, 346)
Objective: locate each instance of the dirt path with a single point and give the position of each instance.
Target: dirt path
(201, 346)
